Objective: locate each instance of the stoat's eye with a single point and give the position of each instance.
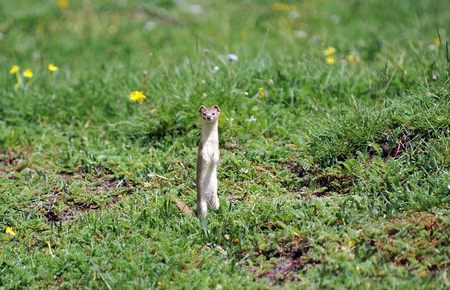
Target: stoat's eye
(213, 114)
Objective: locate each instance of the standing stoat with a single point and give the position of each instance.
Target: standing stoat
(208, 157)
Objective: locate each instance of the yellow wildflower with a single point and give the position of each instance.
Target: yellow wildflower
(10, 231)
(282, 7)
(261, 92)
(62, 4)
(353, 58)
(330, 60)
(137, 96)
(329, 51)
(52, 67)
(14, 69)
(351, 243)
(28, 73)
(437, 41)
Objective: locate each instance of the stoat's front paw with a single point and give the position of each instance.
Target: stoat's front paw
(215, 160)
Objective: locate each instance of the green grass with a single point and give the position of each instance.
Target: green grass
(331, 176)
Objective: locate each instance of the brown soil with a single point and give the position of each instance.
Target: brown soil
(291, 259)
(325, 182)
(99, 184)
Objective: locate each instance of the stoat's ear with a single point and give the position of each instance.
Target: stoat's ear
(217, 108)
(202, 108)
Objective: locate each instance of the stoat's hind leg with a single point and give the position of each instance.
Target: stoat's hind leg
(214, 198)
(202, 207)
(215, 201)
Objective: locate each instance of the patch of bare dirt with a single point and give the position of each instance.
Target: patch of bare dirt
(393, 148)
(291, 259)
(396, 147)
(295, 168)
(13, 160)
(270, 226)
(417, 220)
(412, 241)
(322, 181)
(112, 188)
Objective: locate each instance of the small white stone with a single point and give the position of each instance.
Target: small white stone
(252, 119)
(195, 8)
(232, 57)
(300, 34)
(216, 69)
(221, 250)
(294, 14)
(150, 25)
(335, 18)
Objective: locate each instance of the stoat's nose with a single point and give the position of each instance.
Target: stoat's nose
(208, 117)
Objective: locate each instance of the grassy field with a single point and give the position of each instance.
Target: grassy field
(334, 132)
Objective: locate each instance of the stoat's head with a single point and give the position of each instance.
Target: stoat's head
(209, 115)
